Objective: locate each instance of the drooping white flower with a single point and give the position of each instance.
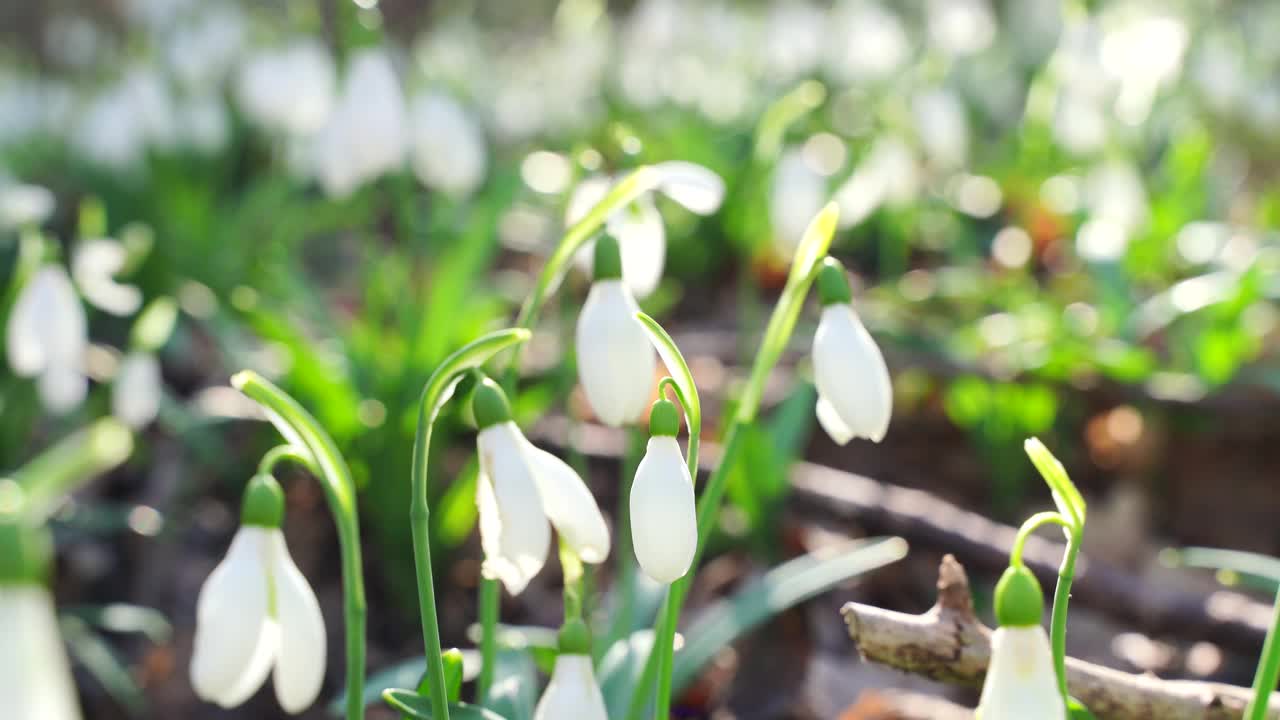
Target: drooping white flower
(23, 205)
(367, 134)
(94, 265)
(615, 358)
(638, 227)
(35, 678)
(290, 90)
(449, 152)
(1021, 682)
(521, 492)
(47, 336)
(573, 692)
(798, 192)
(257, 615)
(664, 516)
(136, 393)
(855, 395)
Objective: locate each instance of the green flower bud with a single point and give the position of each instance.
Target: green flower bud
(833, 283)
(263, 503)
(1019, 599)
(607, 262)
(575, 638)
(489, 404)
(664, 419)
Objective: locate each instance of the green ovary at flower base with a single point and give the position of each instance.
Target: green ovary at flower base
(257, 615)
(35, 676)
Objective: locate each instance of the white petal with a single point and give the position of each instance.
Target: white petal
(615, 359)
(851, 374)
(22, 205)
(233, 631)
(94, 265)
(513, 527)
(1021, 683)
(449, 151)
(664, 517)
(572, 692)
(367, 133)
(693, 186)
(569, 505)
(62, 388)
(798, 193)
(299, 670)
(136, 392)
(35, 678)
(586, 195)
(47, 324)
(831, 421)
(642, 243)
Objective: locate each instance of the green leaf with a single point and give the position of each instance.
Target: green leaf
(91, 651)
(416, 706)
(1262, 571)
(154, 325)
(1065, 495)
(1078, 711)
(514, 693)
(781, 588)
(73, 461)
(621, 668)
(124, 618)
(678, 369)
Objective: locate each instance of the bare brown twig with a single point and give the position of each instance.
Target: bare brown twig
(950, 644)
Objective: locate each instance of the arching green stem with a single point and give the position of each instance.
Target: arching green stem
(317, 451)
(435, 394)
(1030, 525)
(286, 453)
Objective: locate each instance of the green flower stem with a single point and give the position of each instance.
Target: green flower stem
(1264, 679)
(305, 433)
(286, 453)
(73, 461)
(1061, 598)
(804, 270)
(1033, 523)
(435, 393)
(490, 598)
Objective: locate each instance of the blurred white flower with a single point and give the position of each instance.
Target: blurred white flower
(641, 235)
(1021, 683)
(288, 90)
(35, 677)
(23, 205)
(47, 337)
(520, 488)
(573, 692)
(367, 134)
(889, 174)
(203, 123)
(942, 126)
(664, 516)
(202, 50)
(94, 264)
(256, 613)
(855, 394)
(615, 358)
(449, 152)
(137, 390)
(123, 122)
(793, 42)
(798, 192)
(961, 27)
(868, 42)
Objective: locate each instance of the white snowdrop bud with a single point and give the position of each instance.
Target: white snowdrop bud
(855, 395)
(664, 515)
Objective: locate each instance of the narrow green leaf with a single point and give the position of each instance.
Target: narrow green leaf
(73, 461)
(781, 588)
(92, 652)
(1262, 571)
(514, 693)
(416, 706)
(621, 668)
(154, 325)
(1065, 495)
(677, 368)
(814, 243)
(124, 618)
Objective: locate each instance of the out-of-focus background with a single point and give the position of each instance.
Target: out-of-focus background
(1061, 218)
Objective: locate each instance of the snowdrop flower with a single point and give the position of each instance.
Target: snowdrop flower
(93, 266)
(573, 691)
(35, 677)
(47, 337)
(367, 134)
(290, 90)
(256, 614)
(520, 489)
(1021, 683)
(23, 205)
(615, 358)
(798, 193)
(136, 393)
(449, 151)
(638, 228)
(855, 397)
(664, 516)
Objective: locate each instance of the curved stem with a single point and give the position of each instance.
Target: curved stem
(1033, 523)
(283, 453)
(1061, 598)
(303, 431)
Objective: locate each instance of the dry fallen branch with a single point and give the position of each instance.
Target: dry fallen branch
(950, 644)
